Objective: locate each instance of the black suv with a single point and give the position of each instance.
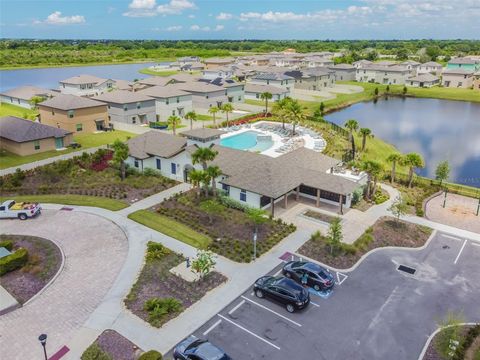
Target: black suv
(282, 290)
(318, 278)
(193, 348)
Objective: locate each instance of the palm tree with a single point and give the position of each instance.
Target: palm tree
(196, 177)
(214, 172)
(266, 96)
(279, 109)
(352, 125)
(192, 116)
(413, 161)
(373, 169)
(173, 121)
(205, 180)
(202, 155)
(227, 108)
(394, 158)
(295, 113)
(365, 132)
(120, 154)
(213, 110)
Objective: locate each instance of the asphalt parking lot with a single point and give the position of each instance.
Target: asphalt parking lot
(377, 312)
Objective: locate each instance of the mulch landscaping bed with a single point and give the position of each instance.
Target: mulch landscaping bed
(156, 281)
(113, 345)
(472, 352)
(385, 232)
(319, 216)
(44, 260)
(91, 175)
(230, 229)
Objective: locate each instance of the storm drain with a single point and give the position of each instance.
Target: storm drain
(407, 269)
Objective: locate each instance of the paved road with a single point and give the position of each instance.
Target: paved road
(378, 312)
(95, 250)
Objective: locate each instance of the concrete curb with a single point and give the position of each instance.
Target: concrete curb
(425, 203)
(432, 335)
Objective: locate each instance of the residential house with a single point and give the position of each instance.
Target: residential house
(382, 74)
(204, 95)
(188, 60)
(457, 78)
(288, 61)
(169, 100)
(361, 63)
(430, 67)
(254, 92)
(317, 61)
(86, 85)
(343, 72)
(22, 95)
(25, 137)
(222, 72)
(423, 80)
(476, 81)
(275, 79)
(312, 79)
(74, 113)
(464, 63)
(128, 107)
(213, 63)
(235, 91)
(411, 65)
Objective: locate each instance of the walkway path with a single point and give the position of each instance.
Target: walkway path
(50, 160)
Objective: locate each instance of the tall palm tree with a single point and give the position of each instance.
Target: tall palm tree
(213, 110)
(295, 113)
(413, 161)
(173, 121)
(352, 126)
(394, 158)
(280, 109)
(192, 116)
(365, 132)
(266, 96)
(196, 177)
(227, 108)
(205, 180)
(214, 172)
(373, 169)
(202, 155)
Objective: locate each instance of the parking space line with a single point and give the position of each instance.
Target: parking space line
(314, 304)
(212, 327)
(460, 252)
(277, 273)
(274, 312)
(344, 277)
(474, 243)
(236, 307)
(451, 237)
(248, 331)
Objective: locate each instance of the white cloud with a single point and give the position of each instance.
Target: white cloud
(191, 16)
(56, 18)
(206, 28)
(224, 16)
(146, 8)
(175, 7)
(195, 27)
(142, 4)
(174, 28)
(219, 28)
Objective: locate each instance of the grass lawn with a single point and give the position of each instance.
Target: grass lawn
(13, 110)
(171, 228)
(202, 117)
(148, 71)
(8, 159)
(80, 200)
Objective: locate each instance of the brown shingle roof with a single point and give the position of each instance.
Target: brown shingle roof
(70, 102)
(155, 143)
(20, 130)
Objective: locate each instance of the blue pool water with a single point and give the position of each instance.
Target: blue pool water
(247, 141)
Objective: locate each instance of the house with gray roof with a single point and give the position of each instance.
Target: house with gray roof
(314, 79)
(25, 137)
(430, 67)
(423, 80)
(277, 79)
(85, 85)
(255, 91)
(169, 101)
(464, 63)
(383, 74)
(343, 72)
(22, 95)
(128, 107)
(457, 78)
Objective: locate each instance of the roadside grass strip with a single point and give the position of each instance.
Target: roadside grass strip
(249, 332)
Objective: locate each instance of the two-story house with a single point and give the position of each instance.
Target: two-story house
(343, 72)
(457, 78)
(169, 100)
(464, 63)
(22, 96)
(430, 67)
(275, 79)
(86, 85)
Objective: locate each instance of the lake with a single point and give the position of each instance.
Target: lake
(49, 77)
(437, 129)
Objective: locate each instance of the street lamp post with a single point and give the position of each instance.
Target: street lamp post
(43, 340)
(445, 198)
(255, 244)
(478, 206)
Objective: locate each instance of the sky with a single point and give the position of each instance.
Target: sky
(240, 19)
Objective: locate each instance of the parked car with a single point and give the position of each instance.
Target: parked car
(22, 210)
(282, 290)
(193, 348)
(318, 278)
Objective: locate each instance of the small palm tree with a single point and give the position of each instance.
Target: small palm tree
(365, 132)
(413, 161)
(266, 96)
(213, 110)
(280, 109)
(202, 155)
(196, 177)
(192, 116)
(373, 169)
(120, 154)
(394, 158)
(352, 126)
(173, 121)
(214, 172)
(227, 108)
(295, 113)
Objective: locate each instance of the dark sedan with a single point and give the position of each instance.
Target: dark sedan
(282, 290)
(318, 277)
(193, 348)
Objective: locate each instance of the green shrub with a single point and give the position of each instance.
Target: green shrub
(13, 261)
(156, 250)
(380, 197)
(151, 355)
(151, 172)
(7, 244)
(158, 309)
(95, 352)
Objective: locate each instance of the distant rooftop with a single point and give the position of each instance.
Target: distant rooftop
(21, 130)
(70, 102)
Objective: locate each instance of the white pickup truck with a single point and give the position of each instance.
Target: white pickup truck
(22, 210)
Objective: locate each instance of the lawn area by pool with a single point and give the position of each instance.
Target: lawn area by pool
(247, 140)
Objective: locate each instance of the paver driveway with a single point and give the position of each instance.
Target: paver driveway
(95, 250)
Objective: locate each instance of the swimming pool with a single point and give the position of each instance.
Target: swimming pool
(247, 141)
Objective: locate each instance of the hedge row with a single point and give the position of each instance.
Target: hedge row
(13, 261)
(7, 244)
